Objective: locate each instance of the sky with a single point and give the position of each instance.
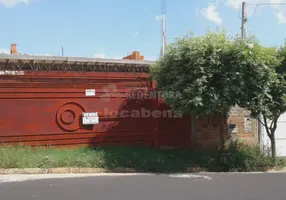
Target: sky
(115, 28)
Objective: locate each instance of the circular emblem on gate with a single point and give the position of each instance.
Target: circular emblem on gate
(69, 116)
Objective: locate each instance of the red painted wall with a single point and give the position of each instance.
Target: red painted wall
(45, 108)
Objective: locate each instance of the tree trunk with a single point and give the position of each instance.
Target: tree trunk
(273, 145)
(193, 130)
(223, 127)
(271, 133)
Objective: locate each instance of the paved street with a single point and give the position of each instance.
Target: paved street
(268, 186)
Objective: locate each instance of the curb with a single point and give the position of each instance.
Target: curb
(81, 170)
(65, 171)
(98, 170)
(277, 170)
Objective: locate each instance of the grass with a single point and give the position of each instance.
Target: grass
(143, 159)
(236, 158)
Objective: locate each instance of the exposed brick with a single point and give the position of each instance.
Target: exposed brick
(134, 56)
(237, 116)
(13, 49)
(208, 129)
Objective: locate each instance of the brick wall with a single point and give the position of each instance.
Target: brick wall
(13, 49)
(241, 127)
(246, 127)
(134, 56)
(207, 132)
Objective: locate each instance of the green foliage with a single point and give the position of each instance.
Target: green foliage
(263, 63)
(213, 72)
(142, 159)
(270, 100)
(240, 157)
(282, 53)
(235, 158)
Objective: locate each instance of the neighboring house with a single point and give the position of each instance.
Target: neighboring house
(280, 136)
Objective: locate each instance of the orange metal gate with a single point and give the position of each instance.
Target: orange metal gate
(45, 108)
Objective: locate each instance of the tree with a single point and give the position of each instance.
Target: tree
(272, 103)
(212, 73)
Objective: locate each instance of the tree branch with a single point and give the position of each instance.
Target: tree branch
(271, 125)
(261, 122)
(266, 127)
(275, 123)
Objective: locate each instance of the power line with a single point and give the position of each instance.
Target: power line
(263, 4)
(255, 4)
(244, 18)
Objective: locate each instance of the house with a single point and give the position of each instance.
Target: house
(67, 101)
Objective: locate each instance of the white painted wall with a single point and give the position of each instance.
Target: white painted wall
(280, 136)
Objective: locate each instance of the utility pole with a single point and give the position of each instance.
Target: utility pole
(163, 33)
(62, 50)
(243, 20)
(243, 35)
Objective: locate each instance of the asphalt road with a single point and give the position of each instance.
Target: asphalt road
(151, 187)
